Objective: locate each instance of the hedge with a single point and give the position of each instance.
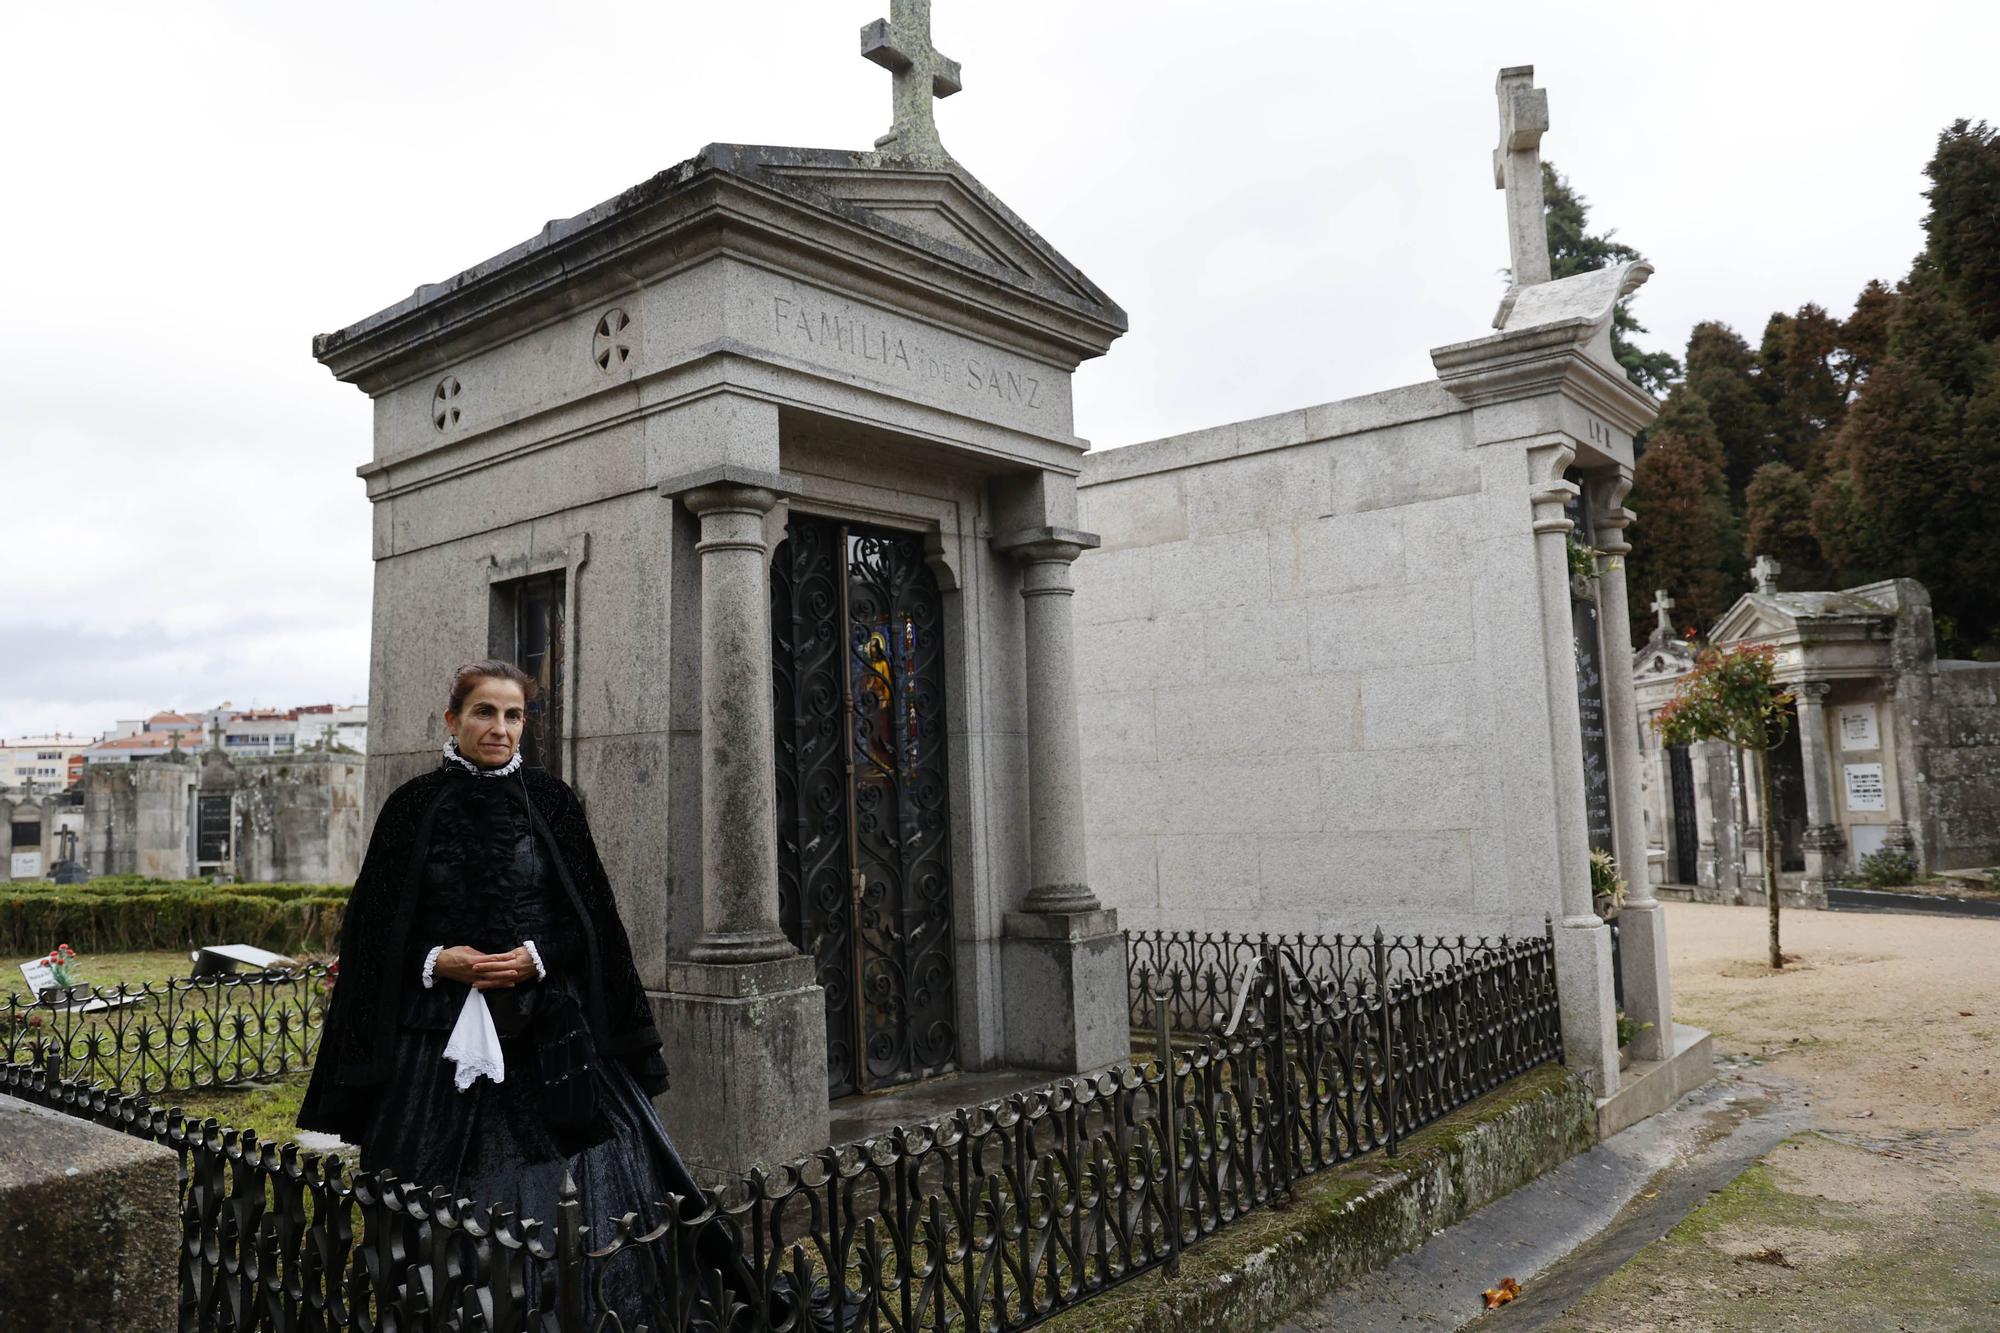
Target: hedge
(125, 912)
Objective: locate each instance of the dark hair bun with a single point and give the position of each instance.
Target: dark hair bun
(468, 676)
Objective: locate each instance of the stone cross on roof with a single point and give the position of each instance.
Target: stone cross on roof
(1661, 605)
(1766, 571)
(1517, 169)
(902, 45)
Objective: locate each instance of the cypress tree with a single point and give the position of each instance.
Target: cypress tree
(1777, 521)
(1687, 539)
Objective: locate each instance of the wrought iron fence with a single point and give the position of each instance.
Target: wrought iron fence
(994, 1218)
(1200, 970)
(177, 1035)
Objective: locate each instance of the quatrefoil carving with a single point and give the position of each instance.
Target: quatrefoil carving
(610, 347)
(444, 403)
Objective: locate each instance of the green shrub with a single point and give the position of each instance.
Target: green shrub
(126, 913)
(1886, 869)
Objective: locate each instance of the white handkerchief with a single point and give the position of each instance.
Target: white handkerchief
(475, 1044)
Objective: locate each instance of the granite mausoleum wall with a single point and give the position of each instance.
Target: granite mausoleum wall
(1289, 720)
(1964, 763)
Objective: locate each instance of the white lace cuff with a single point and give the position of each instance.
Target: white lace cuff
(430, 965)
(541, 973)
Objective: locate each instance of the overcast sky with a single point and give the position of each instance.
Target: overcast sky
(1292, 201)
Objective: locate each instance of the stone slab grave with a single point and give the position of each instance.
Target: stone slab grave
(91, 1218)
(229, 959)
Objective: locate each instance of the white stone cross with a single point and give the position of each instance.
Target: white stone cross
(902, 45)
(1661, 605)
(1766, 571)
(1517, 169)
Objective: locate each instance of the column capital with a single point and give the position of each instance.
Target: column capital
(1046, 544)
(1813, 691)
(729, 486)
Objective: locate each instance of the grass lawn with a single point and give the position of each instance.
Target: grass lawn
(270, 1109)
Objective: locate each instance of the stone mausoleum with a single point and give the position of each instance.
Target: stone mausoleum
(1887, 748)
(1339, 671)
(766, 469)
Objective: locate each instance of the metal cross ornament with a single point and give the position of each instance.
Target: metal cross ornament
(1517, 169)
(901, 44)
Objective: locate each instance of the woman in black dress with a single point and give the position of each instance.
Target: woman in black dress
(488, 1033)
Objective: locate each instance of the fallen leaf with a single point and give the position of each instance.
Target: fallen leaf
(1767, 1255)
(1965, 1013)
(1500, 1295)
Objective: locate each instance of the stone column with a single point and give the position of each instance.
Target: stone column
(1582, 944)
(743, 1018)
(739, 848)
(1825, 842)
(1064, 958)
(1642, 927)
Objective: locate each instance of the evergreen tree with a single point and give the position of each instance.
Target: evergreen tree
(1963, 229)
(1909, 488)
(1800, 382)
(1864, 337)
(1573, 249)
(1777, 521)
(1687, 538)
(1725, 374)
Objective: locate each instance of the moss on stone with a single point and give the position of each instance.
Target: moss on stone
(1352, 1219)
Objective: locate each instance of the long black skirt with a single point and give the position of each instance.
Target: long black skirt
(495, 1144)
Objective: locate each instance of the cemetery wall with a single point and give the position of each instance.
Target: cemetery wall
(1285, 649)
(1964, 764)
(291, 818)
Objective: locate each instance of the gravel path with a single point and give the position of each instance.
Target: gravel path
(1886, 1214)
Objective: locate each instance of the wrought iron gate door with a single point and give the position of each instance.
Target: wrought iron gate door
(1680, 776)
(864, 858)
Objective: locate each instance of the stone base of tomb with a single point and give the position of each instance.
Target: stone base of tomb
(1065, 995)
(746, 1048)
(1647, 1087)
(1586, 995)
(103, 1208)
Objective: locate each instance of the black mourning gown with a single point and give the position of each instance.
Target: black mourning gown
(488, 883)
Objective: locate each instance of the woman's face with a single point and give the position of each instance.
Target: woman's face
(488, 723)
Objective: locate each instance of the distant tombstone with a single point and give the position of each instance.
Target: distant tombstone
(211, 838)
(221, 959)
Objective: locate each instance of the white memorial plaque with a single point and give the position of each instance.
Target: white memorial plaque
(1864, 839)
(1864, 787)
(1858, 730)
(39, 977)
(26, 865)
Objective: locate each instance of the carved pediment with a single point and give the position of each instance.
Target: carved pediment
(944, 205)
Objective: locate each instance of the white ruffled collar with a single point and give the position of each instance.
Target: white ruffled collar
(452, 755)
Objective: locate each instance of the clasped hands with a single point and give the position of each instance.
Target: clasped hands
(485, 971)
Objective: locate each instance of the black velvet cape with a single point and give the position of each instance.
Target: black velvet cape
(356, 1053)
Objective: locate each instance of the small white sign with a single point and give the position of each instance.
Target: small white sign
(26, 865)
(1864, 787)
(38, 976)
(1865, 839)
(1857, 728)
